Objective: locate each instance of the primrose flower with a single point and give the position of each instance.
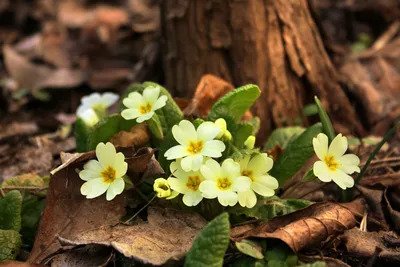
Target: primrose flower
(250, 142)
(223, 182)
(89, 117)
(98, 102)
(261, 182)
(104, 174)
(186, 183)
(224, 133)
(163, 189)
(195, 144)
(334, 164)
(142, 107)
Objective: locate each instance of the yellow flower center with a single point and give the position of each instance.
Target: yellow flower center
(108, 175)
(143, 109)
(331, 162)
(249, 174)
(195, 147)
(224, 183)
(193, 183)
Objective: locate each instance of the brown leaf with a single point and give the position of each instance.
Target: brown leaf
(137, 136)
(17, 129)
(394, 214)
(308, 226)
(146, 15)
(167, 235)
(330, 262)
(34, 76)
(68, 212)
(91, 255)
(366, 244)
(373, 198)
(19, 264)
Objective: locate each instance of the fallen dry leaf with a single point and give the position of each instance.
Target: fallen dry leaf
(365, 244)
(137, 136)
(373, 197)
(19, 264)
(308, 226)
(391, 206)
(68, 212)
(330, 262)
(91, 255)
(15, 129)
(168, 234)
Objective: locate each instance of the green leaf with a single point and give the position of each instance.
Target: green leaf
(242, 130)
(271, 207)
(10, 211)
(106, 128)
(295, 155)
(277, 263)
(282, 137)
(209, 247)
(326, 122)
(32, 209)
(248, 262)
(81, 131)
(155, 127)
(234, 104)
(250, 248)
(310, 110)
(10, 242)
(314, 264)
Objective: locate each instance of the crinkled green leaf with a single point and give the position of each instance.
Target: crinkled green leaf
(326, 122)
(234, 104)
(242, 130)
(248, 262)
(32, 209)
(106, 128)
(283, 136)
(10, 242)
(271, 207)
(209, 247)
(295, 155)
(10, 211)
(250, 248)
(155, 127)
(81, 132)
(277, 263)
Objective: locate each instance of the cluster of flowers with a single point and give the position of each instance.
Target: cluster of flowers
(194, 171)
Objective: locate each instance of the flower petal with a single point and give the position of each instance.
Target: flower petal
(209, 189)
(106, 154)
(115, 188)
(211, 170)
(227, 198)
(120, 165)
(262, 190)
(241, 183)
(243, 162)
(207, 131)
(230, 168)
(93, 166)
(184, 133)
(137, 99)
(338, 146)
(161, 102)
(192, 198)
(150, 94)
(109, 98)
(342, 179)
(320, 144)
(177, 185)
(94, 188)
(260, 164)
(213, 148)
(349, 163)
(322, 171)
(130, 114)
(176, 152)
(267, 180)
(145, 117)
(247, 199)
(91, 99)
(197, 161)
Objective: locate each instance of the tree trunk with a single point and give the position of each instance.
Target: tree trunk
(272, 43)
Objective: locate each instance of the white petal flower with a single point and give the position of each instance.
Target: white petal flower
(104, 174)
(195, 145)
(262, 183)
(89, 117)
(334, 165)
(97, 102)
(223, 182)
(186, 183)
(142, 107)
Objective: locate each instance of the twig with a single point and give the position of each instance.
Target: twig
(134, 215)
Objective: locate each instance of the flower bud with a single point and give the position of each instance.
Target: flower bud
(89, 117)
(221, 123)
(249, 143)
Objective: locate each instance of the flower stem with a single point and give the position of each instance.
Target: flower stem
(155, 127)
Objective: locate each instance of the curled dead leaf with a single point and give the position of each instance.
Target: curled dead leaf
(306, 227)
(137, 136)
(19, 264)
(91, 255)
(167, 235)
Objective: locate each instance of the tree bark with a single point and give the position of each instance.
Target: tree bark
(272, 43)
